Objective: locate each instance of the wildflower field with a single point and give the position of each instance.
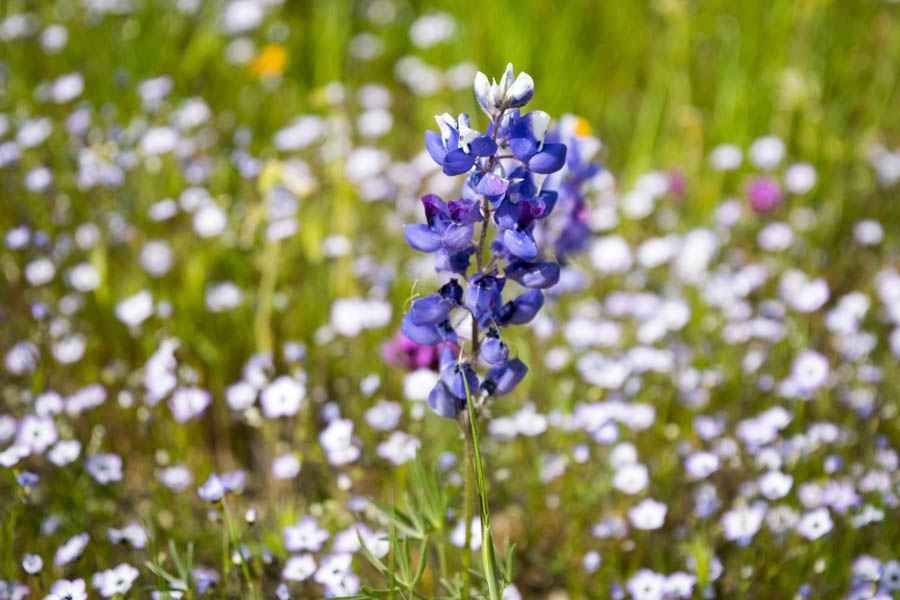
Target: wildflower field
(621, 321)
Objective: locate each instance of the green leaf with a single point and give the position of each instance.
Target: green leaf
(400, 521)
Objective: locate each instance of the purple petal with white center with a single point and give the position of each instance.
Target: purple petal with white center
(521, 91)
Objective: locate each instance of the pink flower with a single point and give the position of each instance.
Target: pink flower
(403, 352)
(764, 194)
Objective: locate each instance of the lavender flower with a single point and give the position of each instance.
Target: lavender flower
(505, 169)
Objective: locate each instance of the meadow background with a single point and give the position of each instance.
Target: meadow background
(661, 84)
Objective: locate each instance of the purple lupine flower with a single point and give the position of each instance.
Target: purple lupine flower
(506, 169)
(572, 233)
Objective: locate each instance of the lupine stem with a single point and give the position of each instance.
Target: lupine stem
(487, 544)
(467, 507)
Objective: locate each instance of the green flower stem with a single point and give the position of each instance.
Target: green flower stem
(467, 504)
(245, 570)
(487, 545)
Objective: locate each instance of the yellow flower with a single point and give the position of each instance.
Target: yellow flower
(270, 62)
(582, 127)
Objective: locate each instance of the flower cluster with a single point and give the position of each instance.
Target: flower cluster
(505, 169)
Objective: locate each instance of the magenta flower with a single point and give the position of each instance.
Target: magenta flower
(764, 194)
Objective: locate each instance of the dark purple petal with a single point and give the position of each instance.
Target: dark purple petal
(435, 208)
(434, 143)
(427, 335)
(420, 237)
(443, 403)
(506, 377)
(457, 162)
(457, 237)
(430, 310)
(483, 146)
(523, 309)
(550, 159)
(492, 185)
(520, 244)
(465, 211)
(534, 275)
(452, 293)
(455, 263)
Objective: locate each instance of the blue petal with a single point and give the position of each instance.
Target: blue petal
(443, 403)
(420, 237)
(492, 185)
(523, 309)
(520, 244)
(522, 140)
(506, 377)
(483, 146)
(457, 237)
(481, 300)
(550, 159)
(494, 351)
(457, 162)
(456, 376)
(427, 335)
(434, 143)
(430, 310)
(507, 214)
(534, 275)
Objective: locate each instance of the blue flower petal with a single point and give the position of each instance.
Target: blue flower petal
(483, 146)
(434, 143)
(550, 159)
(427, 335)
(520, 244)
(457, 237)
(443, 403)
(492, 185)
(430, 310)
(534, 275)
(506, 377)
(523, 309)
(420, 237)
(494, 351)
(457, 162)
